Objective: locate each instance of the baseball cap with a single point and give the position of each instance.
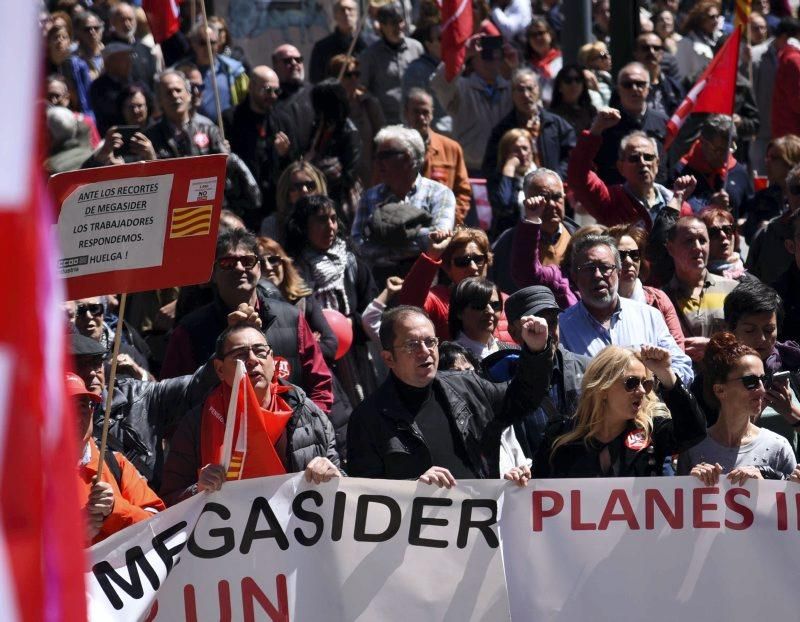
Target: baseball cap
(77, 388)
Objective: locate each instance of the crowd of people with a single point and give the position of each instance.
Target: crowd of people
(530, 283)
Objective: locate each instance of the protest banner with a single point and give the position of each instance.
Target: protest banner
(137, 227)
(656, 549)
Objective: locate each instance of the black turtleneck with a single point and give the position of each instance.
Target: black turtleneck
(441, 436)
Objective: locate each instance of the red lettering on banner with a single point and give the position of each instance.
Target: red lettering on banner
(153, 612)
(653, 498)
(575, 513)
(627, 515)
(783, 518)
(251, 592)
(189, 604)
(699, 507)
(745, 512)
(539, 513)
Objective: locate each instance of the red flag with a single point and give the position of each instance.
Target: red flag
(456, 29)
(163, 17)
(714, 90)
(42, 533)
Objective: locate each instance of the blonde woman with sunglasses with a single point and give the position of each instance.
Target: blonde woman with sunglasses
(620, 429)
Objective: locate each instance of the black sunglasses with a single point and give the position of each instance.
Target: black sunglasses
(590, 267)
(629, 84)
(272, 260)
(716, 232)
(94, 308)
(496, 305)
(198, 87)
(646, 47)
(229, 263)
(635, 256)
(299, 186)
(292, 59)
(635, 158)
(751, 381)
(464, 261)
(633, 382)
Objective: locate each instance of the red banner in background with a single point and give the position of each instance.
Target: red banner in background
(137, 227)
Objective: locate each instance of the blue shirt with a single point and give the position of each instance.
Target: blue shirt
(632, 325)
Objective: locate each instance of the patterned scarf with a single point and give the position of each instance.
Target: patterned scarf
(326, 275)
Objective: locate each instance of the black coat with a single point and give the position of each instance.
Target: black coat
(670, 435)
(384, 442)
(328, 47)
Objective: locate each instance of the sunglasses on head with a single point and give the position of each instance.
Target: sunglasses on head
(629, 84)
(716, 232)
(229, 263)
(496, 305)
(635, 158)
(94, 308)
(634, 256)
(751, 381)
(633, 382)
(464, 261)
(272, 260)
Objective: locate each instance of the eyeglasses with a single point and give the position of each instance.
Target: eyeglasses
(554, 197)
(572, 80)
(634, 382)
(751, 381)
(197, 87)
(634, 256)
(292, 59)
(605, 269)
(635, 158)
(303, 186)
(717, 232)
(352, 74)
(95, 308)
(260, 351)
(412, 346)
(93, 28)
(630, 84)
(645, 47)
(478, 259)
(272, 260)
(271, 90)
(229, 263)
(389, 154)
(496, 306)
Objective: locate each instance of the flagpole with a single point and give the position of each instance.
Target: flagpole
(110, 393)
(213, 72)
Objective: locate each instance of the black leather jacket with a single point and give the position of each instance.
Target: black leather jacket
(384, 442)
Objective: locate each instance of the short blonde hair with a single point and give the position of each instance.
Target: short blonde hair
(507, 141)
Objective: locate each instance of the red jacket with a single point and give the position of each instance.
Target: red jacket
(608, 205)
(133, 499)
(435, 300)
(785, 102)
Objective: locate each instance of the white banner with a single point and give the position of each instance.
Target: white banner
(280, 549)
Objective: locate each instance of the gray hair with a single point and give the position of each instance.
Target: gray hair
(623, 144)
(538, 175)
(634, 65)
(718, 126)
(583, 244)
(417, 93)
(80, 20)
(172, 72)
(407, 139)
(116, 9)
(524, 72)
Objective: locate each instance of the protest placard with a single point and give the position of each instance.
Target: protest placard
(136, 227)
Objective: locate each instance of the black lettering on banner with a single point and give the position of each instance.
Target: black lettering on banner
(311, 517)
(160, 545)
(226, 533)
(105, 574)
(484, 526)
(418, 520)
(338, 515)
(259, 508)
(362, 508)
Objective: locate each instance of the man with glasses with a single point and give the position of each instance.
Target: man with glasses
(435, 426)
(603, 317)
(721, 180)
(345, 17)
(294, 98)
(301, 436)
(236, 273)
(89, 32)
(639, 199)
(261, 135)
(665, 93)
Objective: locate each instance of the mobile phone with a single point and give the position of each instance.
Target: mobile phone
(127, 132)
(491, 47)
(779, 377)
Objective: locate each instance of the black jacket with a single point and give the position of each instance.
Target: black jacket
(328, 47)
(309, 434)
(556, 140)
(384, 442)
(788, 286)
(683, 430)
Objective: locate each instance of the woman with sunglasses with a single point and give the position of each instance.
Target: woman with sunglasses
(461, 254)
(475, 307)
(702, 30)
(735, 446)
(542, 55)
(278, 269)
(723, 240)
(596, 58)
(299, 179)
(571, 98)
(620, 428)
(339, 280)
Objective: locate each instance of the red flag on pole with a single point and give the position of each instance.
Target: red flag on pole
(42, 533)
(714, 91)
(456, 29)
(163, 17)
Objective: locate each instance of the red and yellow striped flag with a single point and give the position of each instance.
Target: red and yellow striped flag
(741, 14)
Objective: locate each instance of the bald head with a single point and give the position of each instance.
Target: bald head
(264, 89)
(288, 64)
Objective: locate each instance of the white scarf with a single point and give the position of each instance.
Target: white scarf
(327, 275)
